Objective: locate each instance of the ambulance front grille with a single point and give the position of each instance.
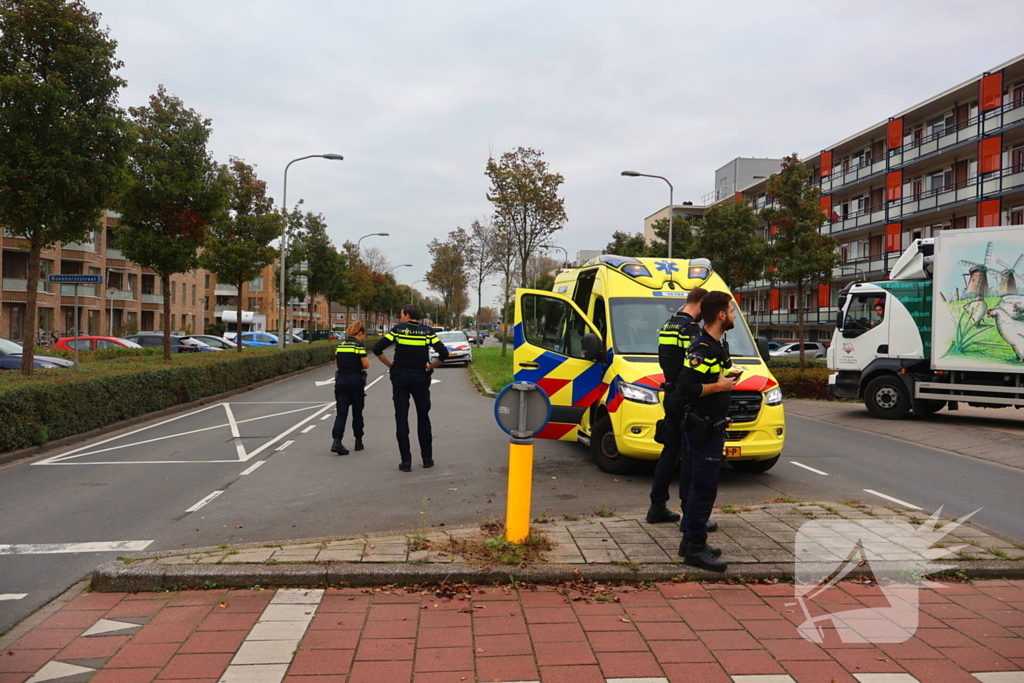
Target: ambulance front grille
(744, 406)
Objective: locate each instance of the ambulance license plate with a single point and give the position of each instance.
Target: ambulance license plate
(732, 452)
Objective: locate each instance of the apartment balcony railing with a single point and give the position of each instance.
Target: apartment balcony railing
(113, 252)
(852, 221)
(220, 308)
(152, 298)
(15, 284)
(225, 289)
(852, 174)
(82, 246)
(83, 290)
(972, 189)
(121, 295)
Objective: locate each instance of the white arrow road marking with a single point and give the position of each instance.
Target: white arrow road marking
(12, 596)
(374, 381)
(325, 382)
(895, 500)
(204, 501)
(54, 670)
(53, 548)
(252, 469)
(239, 448)
(800, 464)
(109, 626)
(435, 381)
(326, 406)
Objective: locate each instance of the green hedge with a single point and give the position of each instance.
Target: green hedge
(811, 383)
(40, 411)
(795, 363)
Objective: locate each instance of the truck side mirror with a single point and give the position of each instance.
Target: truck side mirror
(839, 320)
(762, 348)
(593, 349)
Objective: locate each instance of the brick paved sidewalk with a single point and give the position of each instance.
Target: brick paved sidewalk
(580, 633)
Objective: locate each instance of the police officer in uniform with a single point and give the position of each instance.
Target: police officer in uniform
(349, 386)
(410, 377)
(704, 384)
(674, 340)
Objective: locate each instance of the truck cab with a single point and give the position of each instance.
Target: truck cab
(592, 346)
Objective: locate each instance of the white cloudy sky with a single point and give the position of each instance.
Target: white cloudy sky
(417, 95)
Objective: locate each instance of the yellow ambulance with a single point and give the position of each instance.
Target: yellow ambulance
(592, 346)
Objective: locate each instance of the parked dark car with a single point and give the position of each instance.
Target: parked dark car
(156, 341)
(213, 341)
(10, 358)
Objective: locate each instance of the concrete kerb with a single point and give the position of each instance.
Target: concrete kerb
(116, 577)
(108, 430)
(485, 388)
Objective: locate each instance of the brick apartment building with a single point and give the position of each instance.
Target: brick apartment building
(130, 297)
(952, 162)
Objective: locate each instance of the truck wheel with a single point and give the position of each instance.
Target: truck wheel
(755, 466)
(887, 398)
(605, 451)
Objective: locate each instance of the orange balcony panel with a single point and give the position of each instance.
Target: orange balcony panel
(894, 186)
(894, 237)
(990, 154)
(894, 134)
(988, 213)
(990, 93)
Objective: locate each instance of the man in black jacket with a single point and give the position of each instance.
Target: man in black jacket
(410, 377)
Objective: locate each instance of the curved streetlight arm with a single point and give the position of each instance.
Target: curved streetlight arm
(671, 200)
(284, 245)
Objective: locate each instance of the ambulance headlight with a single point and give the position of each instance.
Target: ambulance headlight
(773, 397)
(637, 393)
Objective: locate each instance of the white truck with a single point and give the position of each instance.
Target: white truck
(944, 329)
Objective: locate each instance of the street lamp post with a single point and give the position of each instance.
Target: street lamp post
(359, 252)
(412, 290)
(564, 263)
(284, 242)
(671, 201)
(110, 295)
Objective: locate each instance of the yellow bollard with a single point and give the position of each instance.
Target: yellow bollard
(520, 488)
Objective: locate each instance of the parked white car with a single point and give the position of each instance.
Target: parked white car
(811, 350)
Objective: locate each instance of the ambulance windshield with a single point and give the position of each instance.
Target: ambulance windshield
(636, 321)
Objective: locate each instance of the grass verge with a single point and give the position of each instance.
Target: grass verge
(494, 369)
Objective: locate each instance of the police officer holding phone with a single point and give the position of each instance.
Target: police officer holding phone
(410, 377)
(349, 386)
(674, 340)
(707, 383)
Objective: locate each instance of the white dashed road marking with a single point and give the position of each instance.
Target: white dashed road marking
(895, 500)
(12, 596)
(308, 429)
(252, 469)
(55, 548)
(283, 446)
(811, 469)
(204, 501)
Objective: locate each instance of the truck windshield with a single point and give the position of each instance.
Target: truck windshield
(636, 321)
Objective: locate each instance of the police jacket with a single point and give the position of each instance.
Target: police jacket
(349, 356)
(411, 340)
(674, 340)
(705, 361)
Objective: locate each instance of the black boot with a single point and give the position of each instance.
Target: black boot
(405, 467)
(334, 445)
(711, 526)
(339, 448)
(660, 513)
(359, 444)
(699, 555)
(427, 464)
(717, 552)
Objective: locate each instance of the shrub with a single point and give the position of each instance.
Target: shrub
(811, 383)
(54, 404)
(795, 363)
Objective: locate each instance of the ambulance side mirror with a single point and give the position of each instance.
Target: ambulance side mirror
(762, 348)
(592, 347)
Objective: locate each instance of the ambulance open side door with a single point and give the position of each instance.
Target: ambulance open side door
(558, 348)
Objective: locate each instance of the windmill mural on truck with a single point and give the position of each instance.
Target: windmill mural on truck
(977, 276)
(1008, 276)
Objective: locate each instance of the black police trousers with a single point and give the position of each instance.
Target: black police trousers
(699, 470)
(668, 462)
(348, 392)
(406, 384)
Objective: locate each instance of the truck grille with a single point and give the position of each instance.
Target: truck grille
(733, 435)
(744, 406)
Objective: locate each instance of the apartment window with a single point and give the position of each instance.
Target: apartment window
(17, 327)
(94, 322)
(193, 295)
(207, 285)
(184, 297)
(936, 181)
(254, 303)
(1017, 159)
(256, 284)
(46, 319)
(1017, 215)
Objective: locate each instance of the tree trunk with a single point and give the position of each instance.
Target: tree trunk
(165, 280)
(800, 324)
(238, 320)
(31, 324)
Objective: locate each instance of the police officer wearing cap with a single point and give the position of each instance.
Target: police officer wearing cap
(674, 340)
(349, 386)
(410, 377)
(706, 384)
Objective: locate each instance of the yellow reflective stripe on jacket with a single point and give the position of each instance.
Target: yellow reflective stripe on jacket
(390, 335)
(348, 348)
(707, 367)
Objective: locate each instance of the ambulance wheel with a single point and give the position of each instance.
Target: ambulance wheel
(887, 398)
(604, 449)
(754, 466)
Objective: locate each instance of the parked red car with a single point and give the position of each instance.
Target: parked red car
(92, 343)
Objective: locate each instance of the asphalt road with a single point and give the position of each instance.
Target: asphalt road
(260, 470)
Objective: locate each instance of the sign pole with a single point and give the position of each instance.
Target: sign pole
(76, 327)
(520, 490)
(522, 410)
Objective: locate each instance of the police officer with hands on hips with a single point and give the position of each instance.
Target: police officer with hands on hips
(349, 386)
(705, 383)
(410, 376)
(674, 340)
